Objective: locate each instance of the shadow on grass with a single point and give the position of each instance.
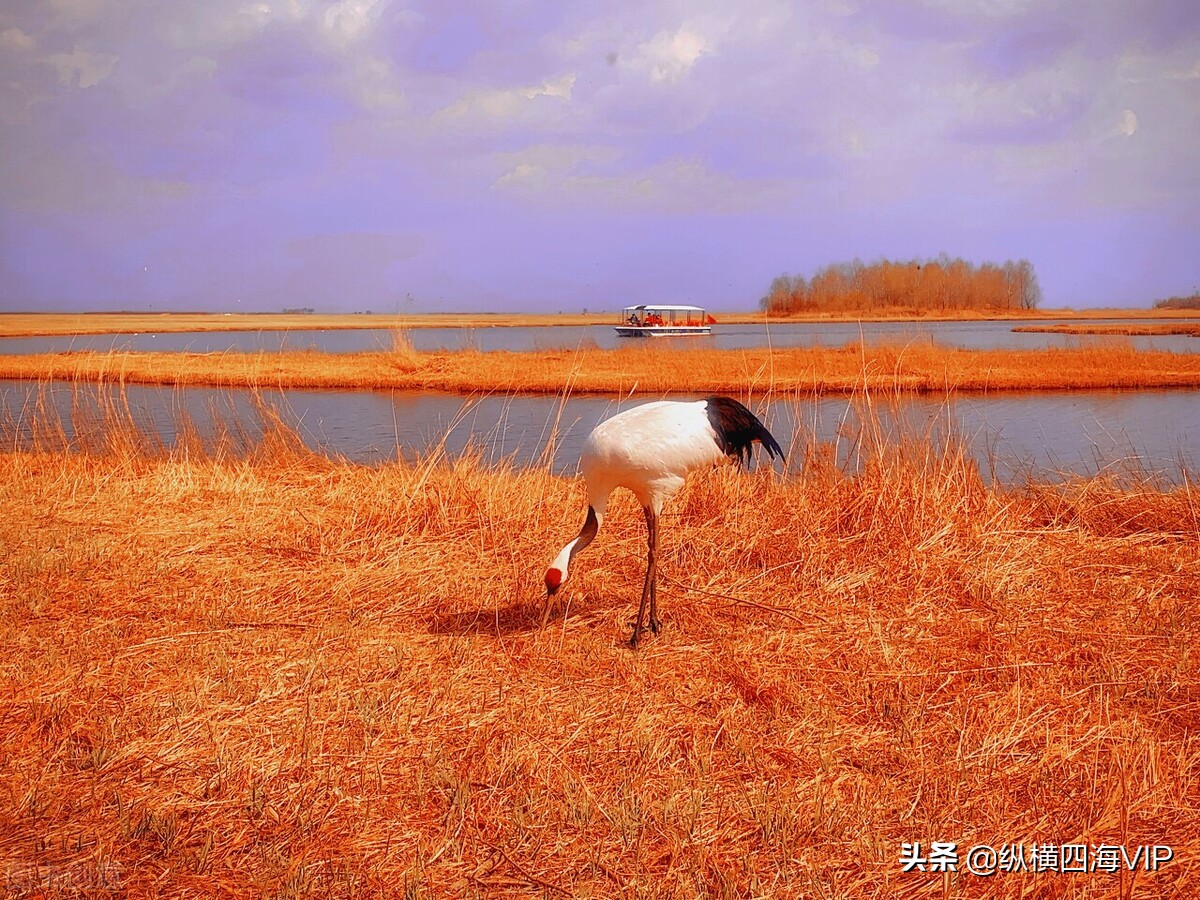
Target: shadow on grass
(511, 619)
(515, 618)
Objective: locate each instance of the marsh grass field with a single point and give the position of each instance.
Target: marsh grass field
(240, 669)
(1185, 328)
(30, 324)
(642, 368)
(38, 324)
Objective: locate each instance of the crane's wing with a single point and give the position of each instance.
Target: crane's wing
(737, 429)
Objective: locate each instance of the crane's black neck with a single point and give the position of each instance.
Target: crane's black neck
(591, 525)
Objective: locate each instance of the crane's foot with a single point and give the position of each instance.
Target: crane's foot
(654, 627)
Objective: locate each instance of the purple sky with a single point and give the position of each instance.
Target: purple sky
(554, 155)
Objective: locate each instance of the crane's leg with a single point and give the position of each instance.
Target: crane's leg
(648, 586)
(652, 527)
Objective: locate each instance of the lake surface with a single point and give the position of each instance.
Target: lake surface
(1012, 436)
(970, 335)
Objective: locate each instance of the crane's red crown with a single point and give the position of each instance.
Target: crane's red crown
(553, 579)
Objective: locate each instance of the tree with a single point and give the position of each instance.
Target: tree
(943, 284)
(1030, 293)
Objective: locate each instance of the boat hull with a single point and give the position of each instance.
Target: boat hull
(660, 330)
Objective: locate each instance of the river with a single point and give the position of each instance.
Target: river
(1012, 436)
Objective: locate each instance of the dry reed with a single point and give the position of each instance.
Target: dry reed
(1182, 328)
(918, 366)
(275, 674)
(31, 324)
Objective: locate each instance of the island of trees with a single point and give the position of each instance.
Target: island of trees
(1192, 302)
(918, 286)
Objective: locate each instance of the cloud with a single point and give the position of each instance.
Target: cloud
(350, 20)
(81, 69)
(506, 103)
(672, 186)
(238, 129)
(1016, 50)
(543, 168)
(1128, 123)
(15, 39)
(668, 56)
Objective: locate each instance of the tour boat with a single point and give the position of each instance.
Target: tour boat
(663, 321)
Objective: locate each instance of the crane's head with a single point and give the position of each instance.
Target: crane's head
(560, 569)
(556, 577)
(557, 574)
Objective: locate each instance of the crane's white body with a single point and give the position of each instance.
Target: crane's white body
(649, 450)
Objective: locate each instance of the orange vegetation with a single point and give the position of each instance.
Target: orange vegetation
(30, 324)
(940, 285)
(1191, 303)
(285, 676)
(1182, 328)
(920, 366)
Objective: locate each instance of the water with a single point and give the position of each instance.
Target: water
(1011, 436)
(969, 335)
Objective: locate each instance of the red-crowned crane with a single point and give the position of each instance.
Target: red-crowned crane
(650, 449)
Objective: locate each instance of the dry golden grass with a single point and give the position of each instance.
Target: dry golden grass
(1184, 328)
(281, 675)
(31, 324)
(640, 368)
(975, 315)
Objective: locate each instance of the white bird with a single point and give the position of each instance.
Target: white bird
(649, 450)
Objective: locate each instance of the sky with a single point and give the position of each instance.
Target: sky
(555, 155)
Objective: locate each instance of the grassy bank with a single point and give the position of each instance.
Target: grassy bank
(279, 675)
(1124, 329)
(34, 324)
(920, 366)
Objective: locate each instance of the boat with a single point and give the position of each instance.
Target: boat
(663, 321)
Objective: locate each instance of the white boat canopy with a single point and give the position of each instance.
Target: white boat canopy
(664, 308)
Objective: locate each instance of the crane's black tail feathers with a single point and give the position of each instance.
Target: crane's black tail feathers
(737, 429)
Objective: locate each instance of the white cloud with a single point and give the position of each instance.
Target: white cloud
(991, 8)
(506, 103)
(558, 87)
(375, 85)
(81, 68)
(668, 56)
(16, 39)
(537, 167)
(1185, 75)
(1128, 123)
(675, 185)
(349, 20)
(81, 12)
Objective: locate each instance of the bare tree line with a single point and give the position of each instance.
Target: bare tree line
(940, 284)
(1192, 302)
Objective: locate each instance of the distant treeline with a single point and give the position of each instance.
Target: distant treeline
(940, 284)
(1192, 302)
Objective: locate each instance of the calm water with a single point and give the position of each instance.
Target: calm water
(971, 335)
(1012, 436)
